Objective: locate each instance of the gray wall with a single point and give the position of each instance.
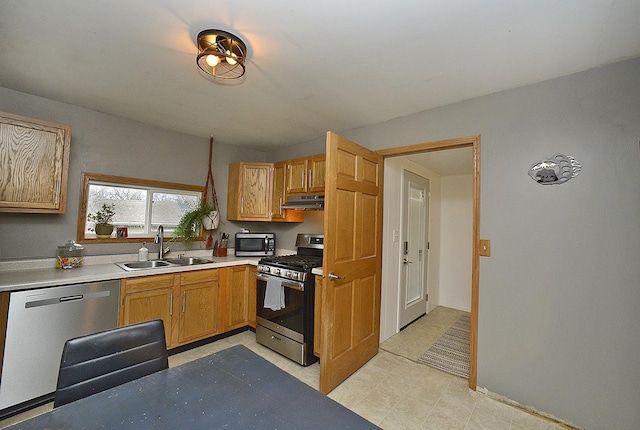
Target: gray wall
(559, 304)
(111, 145)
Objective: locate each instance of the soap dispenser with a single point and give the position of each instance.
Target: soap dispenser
(143, 253)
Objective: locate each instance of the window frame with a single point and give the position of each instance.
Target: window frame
(118, 181)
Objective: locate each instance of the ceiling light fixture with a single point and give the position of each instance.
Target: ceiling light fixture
(221, 54)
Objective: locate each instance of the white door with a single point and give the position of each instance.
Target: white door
(415, 246)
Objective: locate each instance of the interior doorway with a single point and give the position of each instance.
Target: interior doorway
(472, 142)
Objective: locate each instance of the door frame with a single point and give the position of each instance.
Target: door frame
(460, 142)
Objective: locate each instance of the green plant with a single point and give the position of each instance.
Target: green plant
(190, 225)
(104, 215)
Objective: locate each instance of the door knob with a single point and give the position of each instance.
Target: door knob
(332, 276)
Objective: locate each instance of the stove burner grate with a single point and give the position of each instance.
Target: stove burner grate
(302, 262)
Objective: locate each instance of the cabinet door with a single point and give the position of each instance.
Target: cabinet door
(306, 176)
(297, 176)
(249, 192)
(252, 296)
(236, 288)
(316, 175)
(278, 191)
(256, 191)
(148, 298)
(198, 305)
(35, 159)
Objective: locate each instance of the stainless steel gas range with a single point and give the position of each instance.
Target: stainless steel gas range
(286, 297)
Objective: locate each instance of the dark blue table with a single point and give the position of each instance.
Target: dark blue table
(231, 389)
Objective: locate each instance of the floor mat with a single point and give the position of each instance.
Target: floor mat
(451, 352)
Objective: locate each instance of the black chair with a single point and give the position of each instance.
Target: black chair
(96, 362)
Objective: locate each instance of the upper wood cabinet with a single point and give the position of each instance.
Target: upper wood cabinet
(34, 160)
(306, 176)
(296, 175)
(317, 166)
(279, 196)
(256, 193)
(249, 193)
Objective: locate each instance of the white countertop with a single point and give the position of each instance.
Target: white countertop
(28, 274)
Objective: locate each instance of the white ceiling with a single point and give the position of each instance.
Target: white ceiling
(313, 66)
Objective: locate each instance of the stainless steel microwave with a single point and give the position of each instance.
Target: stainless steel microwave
(255, 244)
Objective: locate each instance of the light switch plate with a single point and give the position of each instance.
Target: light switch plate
(485, 248)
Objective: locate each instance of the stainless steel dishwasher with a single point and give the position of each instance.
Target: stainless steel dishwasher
(37, 326)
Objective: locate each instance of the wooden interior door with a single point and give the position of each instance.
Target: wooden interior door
(352, 262)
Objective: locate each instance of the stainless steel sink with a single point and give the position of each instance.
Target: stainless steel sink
(167, 262)
(187, 261)
(138, 265)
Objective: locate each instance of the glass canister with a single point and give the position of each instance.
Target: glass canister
(69, 255)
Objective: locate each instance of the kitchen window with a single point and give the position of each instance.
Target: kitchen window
(140, 206)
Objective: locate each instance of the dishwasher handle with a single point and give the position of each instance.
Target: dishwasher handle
(71, 298)
(65, 299)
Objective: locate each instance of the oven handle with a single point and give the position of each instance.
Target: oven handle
(288, 284)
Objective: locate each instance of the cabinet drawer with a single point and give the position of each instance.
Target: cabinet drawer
(198, 276)
(145, 283)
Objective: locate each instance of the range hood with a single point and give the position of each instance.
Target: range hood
(304, 203)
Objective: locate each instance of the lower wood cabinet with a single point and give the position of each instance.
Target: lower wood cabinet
(148, 298)
(187, 303)
(236, 296)
(193, 305)
(199, 311)
(253, 293)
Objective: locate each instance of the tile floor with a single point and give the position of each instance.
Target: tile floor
(391, 390)
(420, 335)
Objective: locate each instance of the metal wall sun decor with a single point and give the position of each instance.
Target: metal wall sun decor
(557, 169)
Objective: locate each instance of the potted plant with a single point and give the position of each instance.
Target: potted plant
(211, 219)
(190, 225)
(102, 219)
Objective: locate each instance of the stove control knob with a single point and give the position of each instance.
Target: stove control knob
(275, 271)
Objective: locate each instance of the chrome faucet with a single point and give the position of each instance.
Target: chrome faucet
(160, 240)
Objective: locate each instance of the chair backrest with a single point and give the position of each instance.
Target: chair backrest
(97, 362)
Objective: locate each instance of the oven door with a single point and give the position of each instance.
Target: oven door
(288, 321)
